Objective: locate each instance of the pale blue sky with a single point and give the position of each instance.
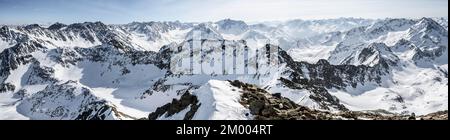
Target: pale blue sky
(125, 11)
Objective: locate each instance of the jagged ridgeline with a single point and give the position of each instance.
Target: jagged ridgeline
(355, 69)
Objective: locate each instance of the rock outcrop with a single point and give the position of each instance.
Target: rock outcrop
(176, 106)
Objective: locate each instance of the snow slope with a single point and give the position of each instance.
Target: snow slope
(219, 101)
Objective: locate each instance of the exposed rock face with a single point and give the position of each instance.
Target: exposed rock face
(7, 87)
(332, 76)
(57, 26)
(266, 106)
(17, 55)
(442, 115)
(95, 111)
(321, 95)
(186, 100)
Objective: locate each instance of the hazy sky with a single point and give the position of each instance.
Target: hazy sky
(125, 11)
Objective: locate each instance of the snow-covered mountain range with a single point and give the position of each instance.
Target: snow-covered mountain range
(326, 69)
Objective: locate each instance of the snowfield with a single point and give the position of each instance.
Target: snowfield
(311, 54)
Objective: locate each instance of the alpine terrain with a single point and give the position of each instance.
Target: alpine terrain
(331, 69)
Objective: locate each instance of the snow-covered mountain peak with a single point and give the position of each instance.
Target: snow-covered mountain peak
(309, 28)
(150, 28)
(57, 26)
(33, 27)
(429, 25)
(204, 31)
(95, 26)
(234, 27)
(442, 21)
(428, 35)
(377, 53)
(390, 25)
